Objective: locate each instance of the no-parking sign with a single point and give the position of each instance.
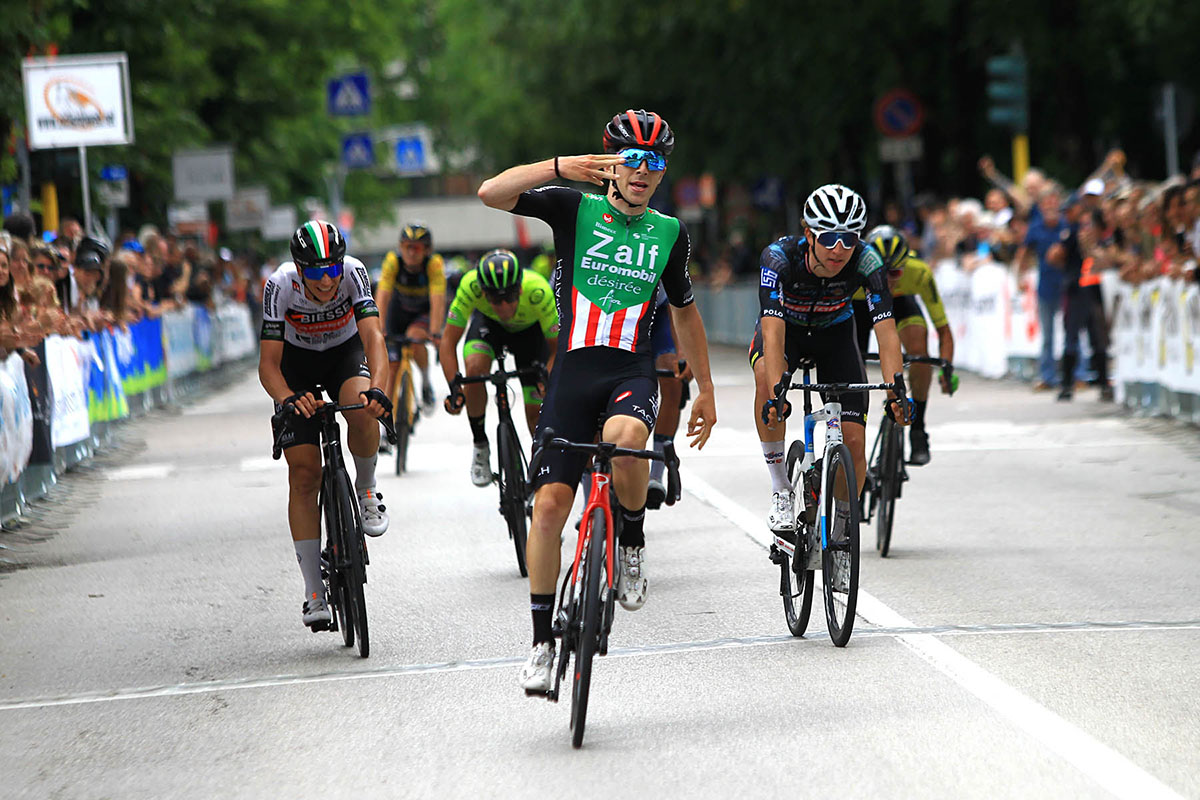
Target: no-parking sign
(899, 113)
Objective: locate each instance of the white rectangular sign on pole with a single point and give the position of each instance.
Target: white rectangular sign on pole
(280, 223)
(77, 101)
(247, 211)
(203, 174)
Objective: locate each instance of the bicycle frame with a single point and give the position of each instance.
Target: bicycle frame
(598, 497)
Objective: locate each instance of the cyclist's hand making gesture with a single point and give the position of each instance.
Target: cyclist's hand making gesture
(589, 169)
(704, 416)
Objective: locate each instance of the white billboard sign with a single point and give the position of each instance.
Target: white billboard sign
(77, 101)
(280, 223)
(247, 211)
(203, 174)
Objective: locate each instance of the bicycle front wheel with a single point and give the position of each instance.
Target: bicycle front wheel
(839, 557)
(889, 486)
(354, 577)
(403, 419)
(338, 597)
(589, 638)
(512, 491)
(795, 578)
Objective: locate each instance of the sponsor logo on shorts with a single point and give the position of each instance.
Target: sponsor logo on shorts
(622, 396)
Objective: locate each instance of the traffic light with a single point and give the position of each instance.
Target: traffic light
(1008, 90)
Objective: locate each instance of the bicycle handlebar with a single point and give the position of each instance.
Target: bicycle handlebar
(499, 375)
(329, 409)
(604, 452)
(783, 408)
(933, 361)
(666, 373)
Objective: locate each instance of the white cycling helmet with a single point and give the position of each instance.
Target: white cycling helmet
(834, 207)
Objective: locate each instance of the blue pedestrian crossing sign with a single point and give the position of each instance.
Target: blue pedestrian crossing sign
(358, 151)
(114, 172)
(411, 155)
(349, 95)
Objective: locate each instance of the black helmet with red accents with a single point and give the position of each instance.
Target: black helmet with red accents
(639, 128)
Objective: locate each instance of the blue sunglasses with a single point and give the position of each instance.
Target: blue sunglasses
(846, 239)
(316, 273)
(634, 156)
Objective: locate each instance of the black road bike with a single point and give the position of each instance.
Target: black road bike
(405, 408)
(344, 558)
(886, 471)
(586, 601)
(514, 492)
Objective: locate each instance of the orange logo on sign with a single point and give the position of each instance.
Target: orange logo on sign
(72, 104)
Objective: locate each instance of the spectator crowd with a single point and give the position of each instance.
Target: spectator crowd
(68, 283)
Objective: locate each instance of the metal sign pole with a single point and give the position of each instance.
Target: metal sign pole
(87, 197)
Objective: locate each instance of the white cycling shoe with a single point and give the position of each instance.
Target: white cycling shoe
(374, 513)
(632, 584)
(481, 465)
(315, 613)
(537, 672)
(782, 516)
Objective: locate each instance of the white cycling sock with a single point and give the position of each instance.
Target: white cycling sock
(773, 453)
(308, 553)
(364, 472)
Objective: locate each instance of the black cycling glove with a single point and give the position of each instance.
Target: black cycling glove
(380, 397)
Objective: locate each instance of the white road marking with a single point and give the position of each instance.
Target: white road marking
(261, 464)
(1101, 763)
(667, 648)
(139, 472)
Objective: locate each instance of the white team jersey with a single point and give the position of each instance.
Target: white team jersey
(290, 316)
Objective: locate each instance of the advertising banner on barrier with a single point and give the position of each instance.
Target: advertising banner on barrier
(234, 335)
(106, 394)
(202, 335)
(65, 366)
(41, 402)
(179, 333)
(1190, 333)
(19, 446)
(141, 360)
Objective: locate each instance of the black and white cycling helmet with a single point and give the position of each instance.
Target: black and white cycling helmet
(834, 207)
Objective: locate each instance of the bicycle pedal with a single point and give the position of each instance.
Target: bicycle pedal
(318, 627)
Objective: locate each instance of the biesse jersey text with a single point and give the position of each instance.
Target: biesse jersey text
(289, 315)
(535, 306)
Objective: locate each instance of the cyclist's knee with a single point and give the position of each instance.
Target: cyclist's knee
(552, 503)
(477, 364)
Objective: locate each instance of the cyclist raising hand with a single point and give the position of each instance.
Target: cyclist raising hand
(613, 252)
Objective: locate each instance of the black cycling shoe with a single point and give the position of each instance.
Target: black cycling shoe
(918, 447)
(427, 398)
(656, 494)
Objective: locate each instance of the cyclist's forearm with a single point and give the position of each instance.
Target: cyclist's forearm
(503, 190)
(694, 341)
(448, 351)
(891, 360)
(383, 300)
(437, 313)
(945, 343)
(272, 380)
(377, 359)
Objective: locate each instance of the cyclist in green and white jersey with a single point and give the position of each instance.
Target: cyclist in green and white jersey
(500, 305)
(613, 252)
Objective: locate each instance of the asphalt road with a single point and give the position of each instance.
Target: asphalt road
(1035, 633)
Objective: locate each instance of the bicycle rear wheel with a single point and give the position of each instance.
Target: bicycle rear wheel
(589, 638)
(839, 559)
(512, 491)
(889, 485)
(403, 419)
(355, 575)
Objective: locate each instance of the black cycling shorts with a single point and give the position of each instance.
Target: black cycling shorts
(304, 370)
(905, 310)
(587, 387)
(836, 355)
(486, 336)
(399, 320)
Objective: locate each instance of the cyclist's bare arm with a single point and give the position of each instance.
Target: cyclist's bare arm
(692, 338)
(891, 360)
(503, 190)
(384, 301)
(448, 350)
(774, 333)
(437, 313)
(370, 330)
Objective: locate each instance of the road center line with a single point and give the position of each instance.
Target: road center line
(1105, 766)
